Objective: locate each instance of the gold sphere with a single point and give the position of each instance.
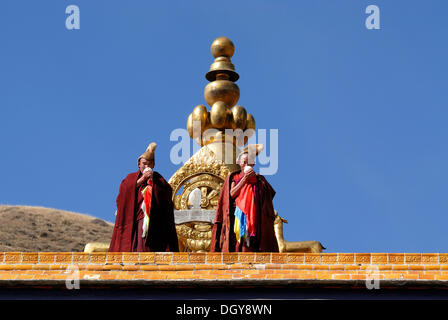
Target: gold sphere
(250, 122)
(222, 90)
(200, 114)
(239, 114)
(219, 115)
(229, 122)
(222, 46)
(190, 125)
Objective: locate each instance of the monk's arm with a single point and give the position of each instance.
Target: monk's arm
(140, 181)
(143, 178)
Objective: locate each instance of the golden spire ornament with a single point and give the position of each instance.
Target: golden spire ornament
(221, 94)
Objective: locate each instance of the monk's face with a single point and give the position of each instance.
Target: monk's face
(246, 161)
(143, 164)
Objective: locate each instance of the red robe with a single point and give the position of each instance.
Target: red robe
(223, 236)
(162, 234)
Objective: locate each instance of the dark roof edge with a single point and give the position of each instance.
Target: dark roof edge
(235, 283)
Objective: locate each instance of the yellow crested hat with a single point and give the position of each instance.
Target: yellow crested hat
(149, 153)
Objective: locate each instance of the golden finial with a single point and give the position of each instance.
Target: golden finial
(221, 94)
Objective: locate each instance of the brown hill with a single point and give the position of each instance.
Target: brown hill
(24, 228)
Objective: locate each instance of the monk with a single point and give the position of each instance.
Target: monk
(145, 211)
(244, 220)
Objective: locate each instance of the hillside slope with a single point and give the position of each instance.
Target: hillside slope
(24, 228)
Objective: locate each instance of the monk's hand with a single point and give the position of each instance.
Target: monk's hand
(248, 173)
(147, 174)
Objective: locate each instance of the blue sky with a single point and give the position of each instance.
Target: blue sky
(361, 113)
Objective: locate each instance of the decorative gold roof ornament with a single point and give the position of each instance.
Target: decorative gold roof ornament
(221, 94)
